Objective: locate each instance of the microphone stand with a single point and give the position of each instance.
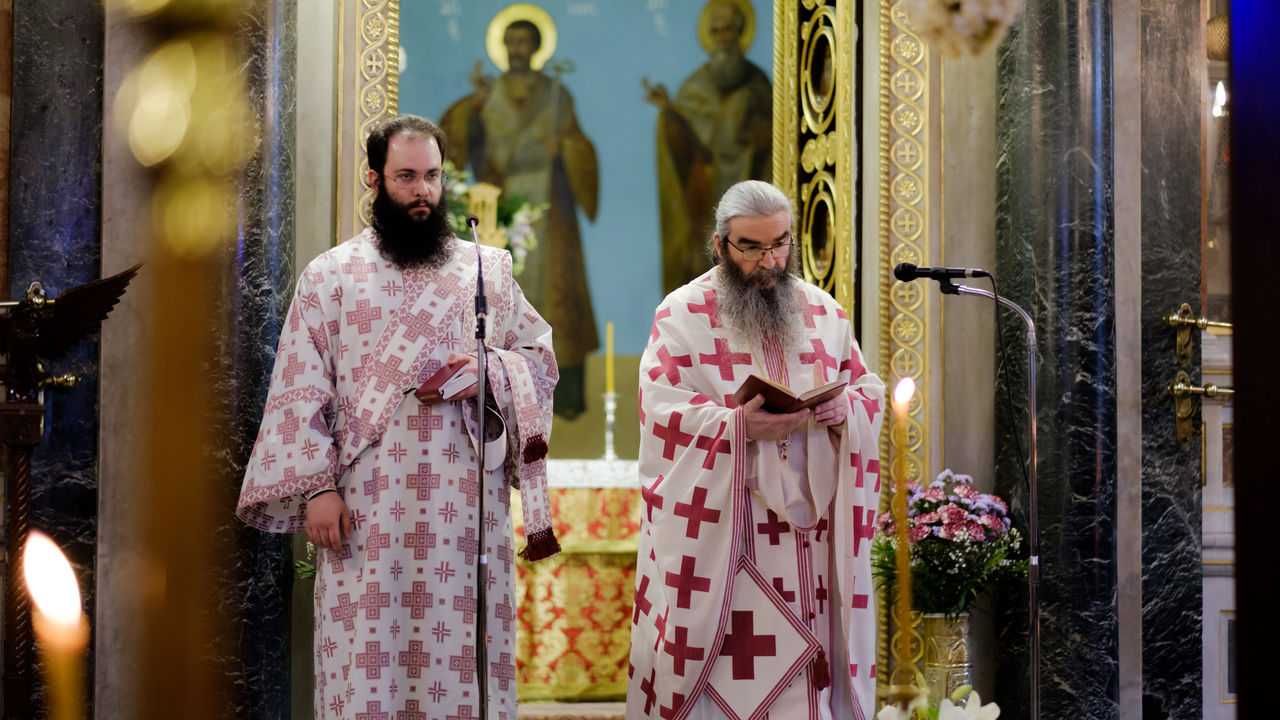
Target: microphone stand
(482, 560)
(1033, 569)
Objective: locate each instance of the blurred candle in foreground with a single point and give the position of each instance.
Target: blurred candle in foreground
(61, 629)
(903, 671)
(608, 358)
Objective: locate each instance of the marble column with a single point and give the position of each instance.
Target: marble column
(260, 283)
(1173, 72)
(54, 237)
(1055, 258)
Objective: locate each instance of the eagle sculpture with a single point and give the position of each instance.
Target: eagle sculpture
(37, 328)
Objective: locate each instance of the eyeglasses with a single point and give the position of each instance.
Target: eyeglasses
(756, 254)
(406, 180)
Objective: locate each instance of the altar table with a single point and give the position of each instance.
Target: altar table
(574, 609)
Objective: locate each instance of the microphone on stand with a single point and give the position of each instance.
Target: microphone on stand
(482, 559)
(906, 272)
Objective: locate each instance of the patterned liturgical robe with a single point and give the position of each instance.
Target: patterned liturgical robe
(395, 612)
(753, 580)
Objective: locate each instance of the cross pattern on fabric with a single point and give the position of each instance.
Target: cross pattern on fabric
(424, 481)
(642, 603)
(661, 315)
(697, 513)
(680, 650)
(417, 600)
(425, 421)
(774, 528)
(708, 308)
(358, 269)
(744, 646)
(811, 311)
(651, 497)
(819, 354)
(292, 369)
(713, 446)
(669, 366)
(288, 428)
(363, 316)
(724, 359)
(686, 582)
(671, 436)
(373, 659)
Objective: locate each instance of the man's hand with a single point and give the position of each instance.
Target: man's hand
(473, 366)
(482, 82)
(655, 94)
(832, 412)
(328, 521)
(764, 425)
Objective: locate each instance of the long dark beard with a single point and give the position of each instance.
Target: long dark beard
(408, 243)
(751, 311)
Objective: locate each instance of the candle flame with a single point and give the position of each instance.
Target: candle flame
(50, 580)
(903, 391)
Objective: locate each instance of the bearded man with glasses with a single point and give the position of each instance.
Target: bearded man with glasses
(382, 478)
(753, 577)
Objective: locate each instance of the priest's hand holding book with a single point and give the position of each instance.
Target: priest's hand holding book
(457, 380)
(774, 411)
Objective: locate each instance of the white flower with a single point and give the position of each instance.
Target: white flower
(973, 709)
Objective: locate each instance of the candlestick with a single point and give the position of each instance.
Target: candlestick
(610, 410)
(903, 671)
(608, 358)
(60, 626)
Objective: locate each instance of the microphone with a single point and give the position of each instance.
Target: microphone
(906, 272)
(472, 221)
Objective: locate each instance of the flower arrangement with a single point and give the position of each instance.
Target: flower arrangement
(956, 26)
(960, 541)
(516, 216)
(950, 708)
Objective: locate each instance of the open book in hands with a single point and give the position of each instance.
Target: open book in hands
(448, 381)
(779, 398)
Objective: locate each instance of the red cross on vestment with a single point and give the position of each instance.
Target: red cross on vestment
(697, 513)
(773, 528)
(810, 311)
(708, 308)
(714, 446)
(680, 650)
(670, 366)
(671, 436)
(819, 354)
(651, 497)
(686, 582)
(744, 646)
(724, 359)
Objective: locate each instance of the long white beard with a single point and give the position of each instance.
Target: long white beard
(751, 312)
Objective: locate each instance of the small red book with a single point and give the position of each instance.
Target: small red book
(448, 381)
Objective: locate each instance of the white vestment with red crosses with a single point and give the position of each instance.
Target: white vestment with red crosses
(395, 610)
(748, 549)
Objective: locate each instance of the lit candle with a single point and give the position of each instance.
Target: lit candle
(903, 672)
(61, 629)
(608, 358)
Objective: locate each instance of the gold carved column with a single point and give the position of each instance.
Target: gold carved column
(816, 162)
(814, 159)
(368, 93)
(904, 153)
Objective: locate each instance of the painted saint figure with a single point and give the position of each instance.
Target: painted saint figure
(716, 132)
(520, 133)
